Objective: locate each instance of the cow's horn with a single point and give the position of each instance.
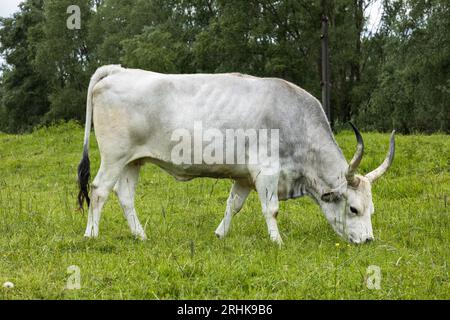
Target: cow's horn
(354, 164)
(378, 172)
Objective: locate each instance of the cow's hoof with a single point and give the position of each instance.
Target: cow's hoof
(278, 241)
(219, 235)
(141, 237)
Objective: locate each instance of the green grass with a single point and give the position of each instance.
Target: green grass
(41, 232)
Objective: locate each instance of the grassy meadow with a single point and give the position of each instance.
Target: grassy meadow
(41, 231)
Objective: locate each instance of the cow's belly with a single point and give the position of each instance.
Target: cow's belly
(186, 172)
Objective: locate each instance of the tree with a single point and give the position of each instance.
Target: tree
(63, 58)
(397, 76)
(412, 88)
(24, 91)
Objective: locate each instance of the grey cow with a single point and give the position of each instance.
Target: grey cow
(135, 113)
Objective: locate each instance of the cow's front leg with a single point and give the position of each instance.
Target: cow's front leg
(238, 194)
(125, 189)
(266, 183)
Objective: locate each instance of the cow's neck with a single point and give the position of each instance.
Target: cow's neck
(312, 173)
(326, 171)
(323, 165)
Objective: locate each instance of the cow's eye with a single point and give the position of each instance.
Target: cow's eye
(354, 210)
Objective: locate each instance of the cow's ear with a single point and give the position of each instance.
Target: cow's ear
(330, 197)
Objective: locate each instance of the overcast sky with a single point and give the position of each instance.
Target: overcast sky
(375, 12)
(8, 7)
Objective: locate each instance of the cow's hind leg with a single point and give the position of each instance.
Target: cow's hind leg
(102, 185)
(125, 189)
(238, 194)
(267, 187)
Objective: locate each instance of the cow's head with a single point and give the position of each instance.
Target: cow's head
(349, 208)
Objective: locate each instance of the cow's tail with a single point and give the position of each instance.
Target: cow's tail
(84, 172)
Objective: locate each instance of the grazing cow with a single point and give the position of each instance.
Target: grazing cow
(135, 112)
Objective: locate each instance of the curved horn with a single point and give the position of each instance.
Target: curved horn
(354, 164)
(378, 172)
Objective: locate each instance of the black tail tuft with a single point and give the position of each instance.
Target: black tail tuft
(84, 173)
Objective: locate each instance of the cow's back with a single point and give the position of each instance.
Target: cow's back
(140, 110)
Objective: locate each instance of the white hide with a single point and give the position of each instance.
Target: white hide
(135, 113)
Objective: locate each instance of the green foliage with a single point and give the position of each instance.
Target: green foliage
(396, 74)
(63, 58)
(65, 104)
(412, 90)
(41, 233)
(155, 50)
(115, 21)
(24, 91)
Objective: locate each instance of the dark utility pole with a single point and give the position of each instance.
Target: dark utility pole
(325, 69)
